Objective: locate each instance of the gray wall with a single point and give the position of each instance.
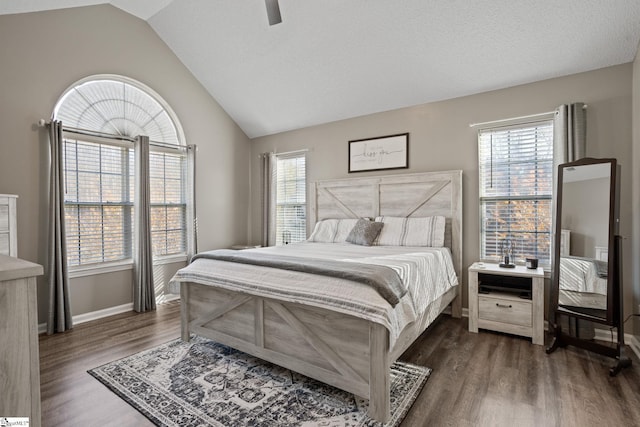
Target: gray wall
(585, 212)
(42, 55)
(441, 139)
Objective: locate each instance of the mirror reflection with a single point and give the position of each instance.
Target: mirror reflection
(584, 224)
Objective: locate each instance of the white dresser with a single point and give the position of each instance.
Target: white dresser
(19, 361)
(8, 225)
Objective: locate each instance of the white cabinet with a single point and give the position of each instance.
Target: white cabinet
(515, 304)
(8, 225)
(19, 361)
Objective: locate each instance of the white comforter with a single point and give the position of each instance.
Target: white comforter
(580, 275)
(428, 273)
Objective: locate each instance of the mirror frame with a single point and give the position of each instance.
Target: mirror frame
(614, 277)
(613, 289)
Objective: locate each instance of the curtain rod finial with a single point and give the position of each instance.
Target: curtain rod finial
(42, 123)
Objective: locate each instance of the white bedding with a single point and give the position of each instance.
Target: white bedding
(581, 275)
(582, 299)
(428, 273)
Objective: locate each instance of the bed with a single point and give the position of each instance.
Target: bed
(583, 282)
(339, 343)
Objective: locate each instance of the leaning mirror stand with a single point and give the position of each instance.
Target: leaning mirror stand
(562, 339)
(586, 286)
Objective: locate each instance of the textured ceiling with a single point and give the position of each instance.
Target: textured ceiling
(334, 59)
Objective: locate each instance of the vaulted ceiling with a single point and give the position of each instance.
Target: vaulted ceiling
(335, 59)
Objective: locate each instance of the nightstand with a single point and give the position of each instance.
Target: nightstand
(507, 300)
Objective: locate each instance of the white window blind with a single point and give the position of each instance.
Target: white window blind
(516, 184)
(101, 117)
(167, 173)
(98, 201)
(291, 196)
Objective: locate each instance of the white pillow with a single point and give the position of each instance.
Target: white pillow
(332, 230)
(425, 231)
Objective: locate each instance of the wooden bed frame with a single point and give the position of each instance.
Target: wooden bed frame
(345, 351)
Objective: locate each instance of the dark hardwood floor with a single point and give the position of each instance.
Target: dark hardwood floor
(485, 379)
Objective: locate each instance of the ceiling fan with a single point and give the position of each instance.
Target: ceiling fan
(273, 12)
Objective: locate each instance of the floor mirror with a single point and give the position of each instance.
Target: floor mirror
(586, 285)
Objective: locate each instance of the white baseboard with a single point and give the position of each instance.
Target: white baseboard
(606, 335)
(111, 311)
(631, 341)
(168, 298)
(465, 311)
(94, 315)
(634, 344)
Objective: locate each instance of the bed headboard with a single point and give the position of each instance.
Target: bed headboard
(405, 195)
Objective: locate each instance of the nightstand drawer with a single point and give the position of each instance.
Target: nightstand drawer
(505, 310)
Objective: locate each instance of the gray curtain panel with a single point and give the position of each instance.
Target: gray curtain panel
(192, 222)
(570, 144)
(59, 317)
(570, 133)
(268, 199)
(569, 139)
(144, 298)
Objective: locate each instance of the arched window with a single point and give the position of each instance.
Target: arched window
(101, 116)
(118, 106)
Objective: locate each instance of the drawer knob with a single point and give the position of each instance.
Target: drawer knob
(503, 305)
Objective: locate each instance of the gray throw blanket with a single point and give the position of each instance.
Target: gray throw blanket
(602, 268)
(383, 279)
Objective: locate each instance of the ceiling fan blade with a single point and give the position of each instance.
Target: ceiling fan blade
(273, 12)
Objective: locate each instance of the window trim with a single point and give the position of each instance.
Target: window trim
(505, 124)
(100, 268)
(285, 156)
(184, 204)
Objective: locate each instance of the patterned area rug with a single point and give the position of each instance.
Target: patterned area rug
(203, 383)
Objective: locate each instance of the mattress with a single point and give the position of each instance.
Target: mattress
(427, 273)
(582, 299)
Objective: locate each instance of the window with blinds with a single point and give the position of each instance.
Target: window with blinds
(167, 173)
(291, 198)
(99, 183)
(101, 117)
(516, 184)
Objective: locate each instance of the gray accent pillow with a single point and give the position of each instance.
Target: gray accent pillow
(364, 232)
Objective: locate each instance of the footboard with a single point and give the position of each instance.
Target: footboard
(341, 350)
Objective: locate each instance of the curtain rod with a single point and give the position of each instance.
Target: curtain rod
(86, 132)
(304, 150)
(530, 116)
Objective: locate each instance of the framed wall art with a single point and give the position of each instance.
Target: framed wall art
(382, 152)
